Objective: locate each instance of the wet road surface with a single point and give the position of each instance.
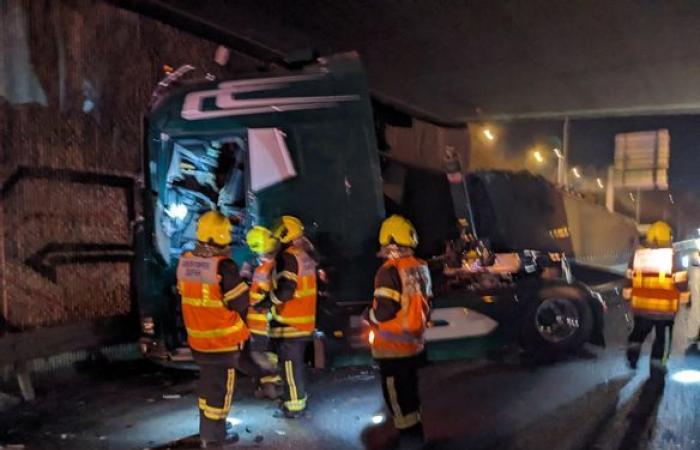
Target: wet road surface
(507, 401)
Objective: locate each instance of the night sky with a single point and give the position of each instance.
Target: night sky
(592, 143)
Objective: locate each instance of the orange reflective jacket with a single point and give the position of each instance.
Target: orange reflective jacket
(298, 315)
(257, 319)
(402, 336)
(211, 327)
(654, 292)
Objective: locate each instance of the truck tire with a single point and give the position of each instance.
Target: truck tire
(558, 320)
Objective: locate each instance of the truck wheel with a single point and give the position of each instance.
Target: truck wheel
(557, 321)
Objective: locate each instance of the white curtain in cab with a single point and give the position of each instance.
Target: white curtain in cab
(270, 162)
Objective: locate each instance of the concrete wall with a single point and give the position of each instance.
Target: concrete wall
(75, 79)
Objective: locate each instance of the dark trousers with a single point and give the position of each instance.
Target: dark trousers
(400, 388)
(663, 332)
(290, 352)
(262, 353)
(217, 379)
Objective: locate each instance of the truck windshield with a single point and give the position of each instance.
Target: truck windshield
(202, 175)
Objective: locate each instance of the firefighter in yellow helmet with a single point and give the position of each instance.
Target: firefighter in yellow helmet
(656, 287)
(398, 319)
(265, 245)
(293, 313)
(214, 305)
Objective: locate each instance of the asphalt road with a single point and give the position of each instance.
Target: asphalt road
(506, 401)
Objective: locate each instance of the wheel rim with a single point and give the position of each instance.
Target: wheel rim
(557, 320)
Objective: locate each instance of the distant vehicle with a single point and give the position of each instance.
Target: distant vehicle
(305, 143)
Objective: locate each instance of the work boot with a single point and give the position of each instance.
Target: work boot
(657, 369)
(230, 440)
(412, 437)
(284, 413)
(272, 391)
(380, 437)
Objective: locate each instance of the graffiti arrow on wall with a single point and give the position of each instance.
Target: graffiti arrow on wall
(55, 254)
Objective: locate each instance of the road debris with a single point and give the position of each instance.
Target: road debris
(171, 396)
(281, 432)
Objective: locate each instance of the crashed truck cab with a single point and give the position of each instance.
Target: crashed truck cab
(305, 143)
(300, 144)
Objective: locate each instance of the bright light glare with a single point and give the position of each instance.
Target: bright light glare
(489, 134)
(686, 376)
(654, 260)
(685, 260)
(557, 153)
(600, 183)
(177, 211)
(670, 199)
(379, 418)
(576, 172)
(370, 337)
(233, 421)
(538, 156)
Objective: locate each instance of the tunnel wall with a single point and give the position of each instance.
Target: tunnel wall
(75, 79)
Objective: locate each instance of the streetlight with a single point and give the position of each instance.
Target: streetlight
(576, 172)
(557, 153)
(488, 134)
(600, 183)
(538, 156)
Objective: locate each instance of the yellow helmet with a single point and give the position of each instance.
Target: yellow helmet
(261, 240)
(288, 229)
(660, 234)
(398, 230)
(214, 227)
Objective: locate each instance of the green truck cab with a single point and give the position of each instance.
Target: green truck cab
(305, 143)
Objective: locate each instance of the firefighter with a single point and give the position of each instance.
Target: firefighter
(398, 318)
(214, 304)
(656, 287)
(263, 243)
(293, 313)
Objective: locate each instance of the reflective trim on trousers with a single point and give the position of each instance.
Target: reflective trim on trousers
(294, 403)
(401, 421)
(214, 413)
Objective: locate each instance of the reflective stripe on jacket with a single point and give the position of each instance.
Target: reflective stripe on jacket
(211, 327)
(257, 318)
(402, 335)
(654, 293)
(297, 317)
